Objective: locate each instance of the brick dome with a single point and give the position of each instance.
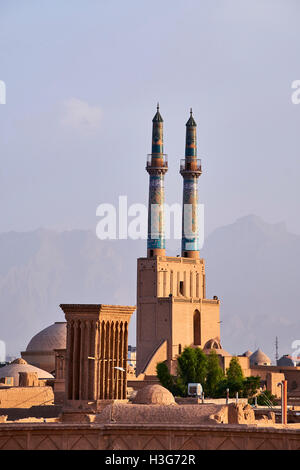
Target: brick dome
(20, 365)
(247, 353)
(154, 395)
(40, 349)
(52, 337)
(19, 361)
(259, 358)
(213, 343)
(286, 360)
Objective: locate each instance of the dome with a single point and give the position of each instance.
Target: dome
(40, 349)
(19, 361)
(154, 395)
(286, 360)
(20, 365)
(213, 344)
(52, 337)
(219, 352)
(259, 358)
(247, 353)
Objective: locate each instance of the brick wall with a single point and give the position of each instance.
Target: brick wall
(149, 437)
(25, 397)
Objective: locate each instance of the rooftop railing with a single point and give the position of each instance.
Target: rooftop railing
(159, 160)
(191, 165)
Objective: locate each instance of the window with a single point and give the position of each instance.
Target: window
(181, 287)
(197, 328)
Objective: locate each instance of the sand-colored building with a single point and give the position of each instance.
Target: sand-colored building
(172, 310)
(40, 349)
(90, 353)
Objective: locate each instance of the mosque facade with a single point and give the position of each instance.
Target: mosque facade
(87, 354)
(172, 308)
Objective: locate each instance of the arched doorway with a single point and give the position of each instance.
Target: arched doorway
(197, 328)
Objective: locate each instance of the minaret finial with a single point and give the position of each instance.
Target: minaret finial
(191, 120)
(157, 117)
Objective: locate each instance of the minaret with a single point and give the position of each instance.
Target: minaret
(172, 308)
(157, 166)
(190, 169)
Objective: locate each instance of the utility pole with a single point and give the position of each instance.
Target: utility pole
(276, 348)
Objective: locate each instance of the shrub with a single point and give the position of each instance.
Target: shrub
(264, 399)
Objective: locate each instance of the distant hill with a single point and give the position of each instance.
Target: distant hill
(254, 269)
(41, 269)
(252, 266)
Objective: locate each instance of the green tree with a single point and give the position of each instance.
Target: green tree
(235, 377)
(234, 372)
(192, 367)
(265, 399)
(214, 375)
(169, 381)
(250, 386)
(195, 367)
(164, 375)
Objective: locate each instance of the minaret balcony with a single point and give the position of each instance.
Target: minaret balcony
(157, 163)
(192, 167)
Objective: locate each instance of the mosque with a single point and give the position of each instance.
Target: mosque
(86, 356)
(172, 308)
(75, 387)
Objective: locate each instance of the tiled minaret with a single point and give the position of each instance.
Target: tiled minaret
(157, 166)
(190, 169)
(172, 308)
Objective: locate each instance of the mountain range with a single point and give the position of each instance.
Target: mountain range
(251, 265)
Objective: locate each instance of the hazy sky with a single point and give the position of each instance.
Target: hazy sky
(83, 78)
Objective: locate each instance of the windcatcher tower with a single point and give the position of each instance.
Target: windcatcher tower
(190, 169)
(172, 308)
(157, 166)
(96, 356)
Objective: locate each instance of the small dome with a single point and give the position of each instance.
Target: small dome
(220, 352)
(154, 395)
(52, 337)
(213, 344)
(20, 365)
(247, 353)
(19, 361)
(285, 360)
(259, 358)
